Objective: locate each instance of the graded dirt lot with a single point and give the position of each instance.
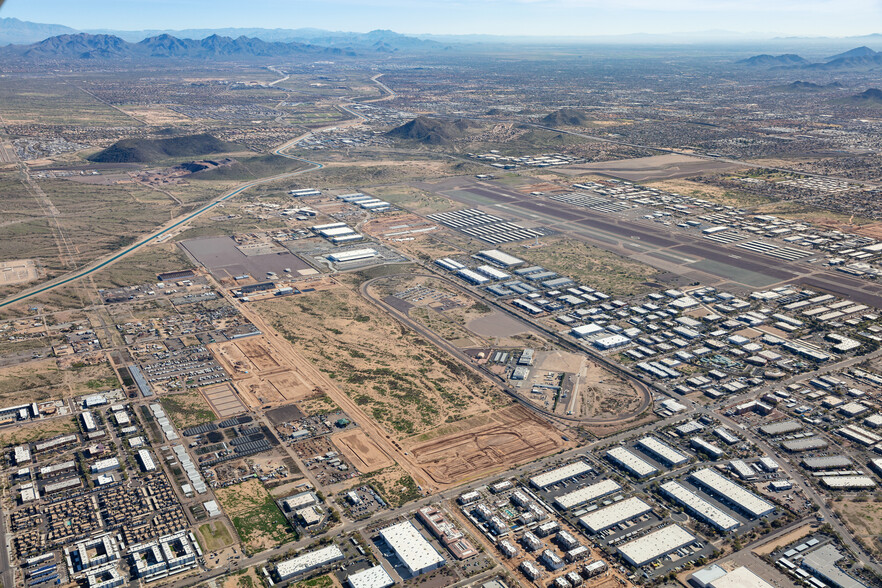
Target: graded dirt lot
(483, 444)
(260, 378)
(361, 452)
(18, 271)
(188, 409)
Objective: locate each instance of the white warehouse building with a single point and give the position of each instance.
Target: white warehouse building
(414, 551)
(655, 545)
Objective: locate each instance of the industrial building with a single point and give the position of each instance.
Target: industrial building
(147, 463)
(628, 460)
(586, 494)
(374, 577)
(699, 507)
(615, 514)
(297, 501)
(411, 548)
(311, 560)
(781, 428)
(353, 255)
(822, 564)
(571, 470)
(654, 545)
(500, 258)
(830, 462)
(662, 451)
(716, 577)
(805, 444)
(848, 482)
(731, 493)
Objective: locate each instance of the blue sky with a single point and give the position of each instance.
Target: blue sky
(506, 17)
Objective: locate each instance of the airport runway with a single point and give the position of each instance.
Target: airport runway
(656, 244)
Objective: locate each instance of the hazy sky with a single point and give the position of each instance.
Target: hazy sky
(506, 17)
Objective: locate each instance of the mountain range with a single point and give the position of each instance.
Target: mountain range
(859, 57)
(37, 41)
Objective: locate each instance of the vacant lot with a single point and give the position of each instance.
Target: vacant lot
(405, 383)
(187, 409)
(43, 380)
(864, 519)
(32, 432)
(588, 265)
(215, 535)
(258, 520)
(396, 486)
(484, 443)
(361, 452)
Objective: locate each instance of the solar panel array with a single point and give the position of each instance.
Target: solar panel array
(486, 227)
(785, 253)
(593, 202)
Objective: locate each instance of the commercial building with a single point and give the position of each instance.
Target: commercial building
(500, 258)
(830, 462)
(804, 444)
(655, 545)
(848, 482)
(615, 514)
(354, 255)
(631, 462)
(104, 465)
(781, 428)
(147, 463)
(297, 501)
(374, 577)
(664, 452)
(411, 548)
(571, 470)
(699, 507)
(731, 493)
(716, 577)
(309, 561)
(586, 494)
(822, 564)
(709, 448)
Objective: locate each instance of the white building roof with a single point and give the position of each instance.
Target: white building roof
(699, 506)
(729, 490)
(656, 544)
(663, 451)
(586, 494)
(631, 462)
(411, 547)
(308, 561)
(739, 578)
(614, 514)
(560, 474)
(375, 577)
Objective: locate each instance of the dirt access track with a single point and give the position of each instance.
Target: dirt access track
(258, 376)
(499, 441)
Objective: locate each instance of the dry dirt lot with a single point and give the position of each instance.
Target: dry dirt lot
(18, 272)
(482, 444)
(43, 380)
(399, 379)
(864, 520)
(361, 452)
(258, 375)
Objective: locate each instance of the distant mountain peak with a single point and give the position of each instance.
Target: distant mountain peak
(772, 60)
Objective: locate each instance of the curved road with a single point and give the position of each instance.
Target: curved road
(455, 352)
